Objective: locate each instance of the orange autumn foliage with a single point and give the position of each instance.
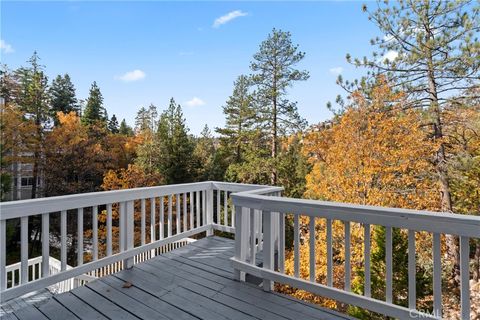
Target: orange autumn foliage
(375, 153)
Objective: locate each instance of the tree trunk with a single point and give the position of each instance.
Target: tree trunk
(273, 179)
(441, 170)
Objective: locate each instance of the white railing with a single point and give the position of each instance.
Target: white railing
(251, 210)
(175, 212)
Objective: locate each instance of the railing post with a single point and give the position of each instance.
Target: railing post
(210, 212)
(241, 240)
(128, 234)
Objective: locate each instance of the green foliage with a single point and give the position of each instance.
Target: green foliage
(125, 129)
(146, 119)
(273, 68)
(94, 110)
(240, 119)
(293, 167)
(175, 148)
(62, 95)
(205, 153)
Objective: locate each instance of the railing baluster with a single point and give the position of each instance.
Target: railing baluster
(260, 231)
(268, 248)
(185, 212)
(129, 230)
(153, 235)
(169, 222)
(204, 208)
(312, 248)
(388, 264)
(109, 229)
(3, 258)
(192, 209)
(95, 232)
(412, 295)
(253, 238)
(177, 214)
(45, 245)
(296, 245)
(162, 218)
(142, 222)
(366, 236)
(197, 196)
(121, 225)
(24, 249)
(465, 277)
(241, 241)
(79, 236)
(281, 248)
(233, 216)
(348, 287)
(218, 208)
(225, 208)
(329, 254)
(437, 276)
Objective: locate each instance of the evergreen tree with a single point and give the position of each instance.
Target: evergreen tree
(33, 100)
(240, 118)
(113, 125)
(94, 110)
(205, 154)
(62, 94)
(125, 129)
(146, 119)
(175, 150)
(146, 124)
(274, 71)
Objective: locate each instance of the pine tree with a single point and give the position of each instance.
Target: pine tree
(274, 71)
(33, 100)
(146, 119)
(62, 95)
(175, 151)
(240, 117)
(205, 154)
(94, 110)
(125, 129)
(113, 125)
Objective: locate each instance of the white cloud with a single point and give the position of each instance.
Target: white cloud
(228, 17)
(134, 75)
(6, 47)
(195, 102)
(390, 56)
(336, 71)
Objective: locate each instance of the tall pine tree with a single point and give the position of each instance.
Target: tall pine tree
(113, 124)
(33, 100)
(94, 110)
(175, 151)
(62, 95)
(274, 72)
(240, 119)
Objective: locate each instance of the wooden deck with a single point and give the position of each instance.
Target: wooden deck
(193, 282)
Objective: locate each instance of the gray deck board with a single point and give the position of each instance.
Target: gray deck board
(78, 307)
(192, 282)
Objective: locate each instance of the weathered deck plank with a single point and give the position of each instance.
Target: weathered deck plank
(192, 282)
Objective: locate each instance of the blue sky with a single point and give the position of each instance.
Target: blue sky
(146, 52)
